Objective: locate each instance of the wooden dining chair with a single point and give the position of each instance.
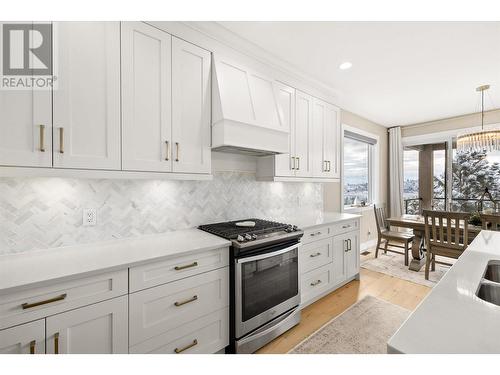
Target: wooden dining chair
(391, 238)
(446, 235)
(490, 221)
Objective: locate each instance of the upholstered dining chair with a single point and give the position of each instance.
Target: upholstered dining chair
(446, 235)
(391, 238)
(490, 221)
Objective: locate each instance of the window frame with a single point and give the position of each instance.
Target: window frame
(373, 167)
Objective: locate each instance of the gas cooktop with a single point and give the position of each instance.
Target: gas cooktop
(255, 231)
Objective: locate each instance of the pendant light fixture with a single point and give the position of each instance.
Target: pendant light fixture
(484, 140)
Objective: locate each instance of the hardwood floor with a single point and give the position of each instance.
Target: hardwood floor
(397, 291)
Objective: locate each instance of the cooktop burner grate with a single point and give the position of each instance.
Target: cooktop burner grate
(230, 230)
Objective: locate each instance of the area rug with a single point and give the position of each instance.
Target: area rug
(364, 328)
(393, 265)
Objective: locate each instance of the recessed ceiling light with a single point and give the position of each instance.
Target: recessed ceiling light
(345, 65)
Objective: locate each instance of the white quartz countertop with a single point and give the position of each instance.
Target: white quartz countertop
(452, 319)
(324, 218)
(44, 266)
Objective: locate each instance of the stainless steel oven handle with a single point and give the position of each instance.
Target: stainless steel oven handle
(267, 255)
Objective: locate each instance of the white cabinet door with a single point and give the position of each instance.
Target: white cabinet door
(331, 141)
(27, 338)
(190, 108)
(95, 329)
(352, 254)
(339, 258)
(286, 105)
(146, 98)
(303, 128)
(87, 98)
(25, 126)
(319, 166)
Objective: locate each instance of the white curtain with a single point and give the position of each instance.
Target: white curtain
(395, 172)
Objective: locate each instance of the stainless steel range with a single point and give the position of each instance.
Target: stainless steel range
(264, 280)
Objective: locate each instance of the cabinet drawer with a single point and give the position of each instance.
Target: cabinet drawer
(315, 283)
(31, 304)
(315, 254)
(205, 335)
(160, 309)
(316, 234)
(345, 227)
(153, 274)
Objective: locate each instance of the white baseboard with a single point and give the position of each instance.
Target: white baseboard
(367, 245)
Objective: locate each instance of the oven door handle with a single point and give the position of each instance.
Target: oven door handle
(267, 255)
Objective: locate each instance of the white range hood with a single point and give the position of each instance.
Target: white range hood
(246, 117)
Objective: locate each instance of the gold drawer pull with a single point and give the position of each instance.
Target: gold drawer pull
(346, 226)
(178, 268)
(56, 343)
(177, 151)
(315, 234)
(315, 255)
(32, 347)
(316, 283)
(168, 150)
(192, 299)
(292, 163)
(61, 140)
(177, 350)
(35, 304)
(42, 138)
(298, 163)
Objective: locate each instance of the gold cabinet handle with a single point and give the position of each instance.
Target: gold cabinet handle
(350, 244)
(346, 226)
(292, 162)
(315, 255)
(346, 246)
(56, 343)
(32, 347)
(168, 150)
(298, 163)
(177, 350)
(176, 151)
(317, 282)
(315, 234)
(178, 268)
(42, 138)
(192, 299)
(329, 166)
(35, 304)
(61, 140)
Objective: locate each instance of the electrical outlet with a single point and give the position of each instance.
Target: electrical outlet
(89, 217)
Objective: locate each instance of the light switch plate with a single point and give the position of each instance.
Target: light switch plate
(89, 217)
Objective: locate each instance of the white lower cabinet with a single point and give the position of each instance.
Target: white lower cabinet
(95, 329)
(207, 334)
(328, 258)
(26, 338)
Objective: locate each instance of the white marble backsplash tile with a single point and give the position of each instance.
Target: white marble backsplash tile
(37, 213)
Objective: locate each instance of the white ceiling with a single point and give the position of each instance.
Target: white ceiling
(402, 73)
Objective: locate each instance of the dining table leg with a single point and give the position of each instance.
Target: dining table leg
(417, 251)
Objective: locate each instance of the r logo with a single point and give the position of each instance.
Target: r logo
(27, 49)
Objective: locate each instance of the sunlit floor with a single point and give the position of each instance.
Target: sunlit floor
(397, 291)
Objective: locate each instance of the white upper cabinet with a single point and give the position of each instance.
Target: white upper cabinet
(286, 104)
(87, 98)
(332, 141)
(25, 127)
(191, 106)
(303, 134)
(325, 151)
(146, 98)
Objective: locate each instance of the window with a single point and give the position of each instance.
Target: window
(410, 185)
(472, 173)
(359, 168)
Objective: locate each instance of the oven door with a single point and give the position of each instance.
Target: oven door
(267, 285)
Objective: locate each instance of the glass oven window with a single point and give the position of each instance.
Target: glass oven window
(268, 282)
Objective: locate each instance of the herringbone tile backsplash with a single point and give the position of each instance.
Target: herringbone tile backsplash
(38, 213)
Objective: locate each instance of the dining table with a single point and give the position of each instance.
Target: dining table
(417, 224)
